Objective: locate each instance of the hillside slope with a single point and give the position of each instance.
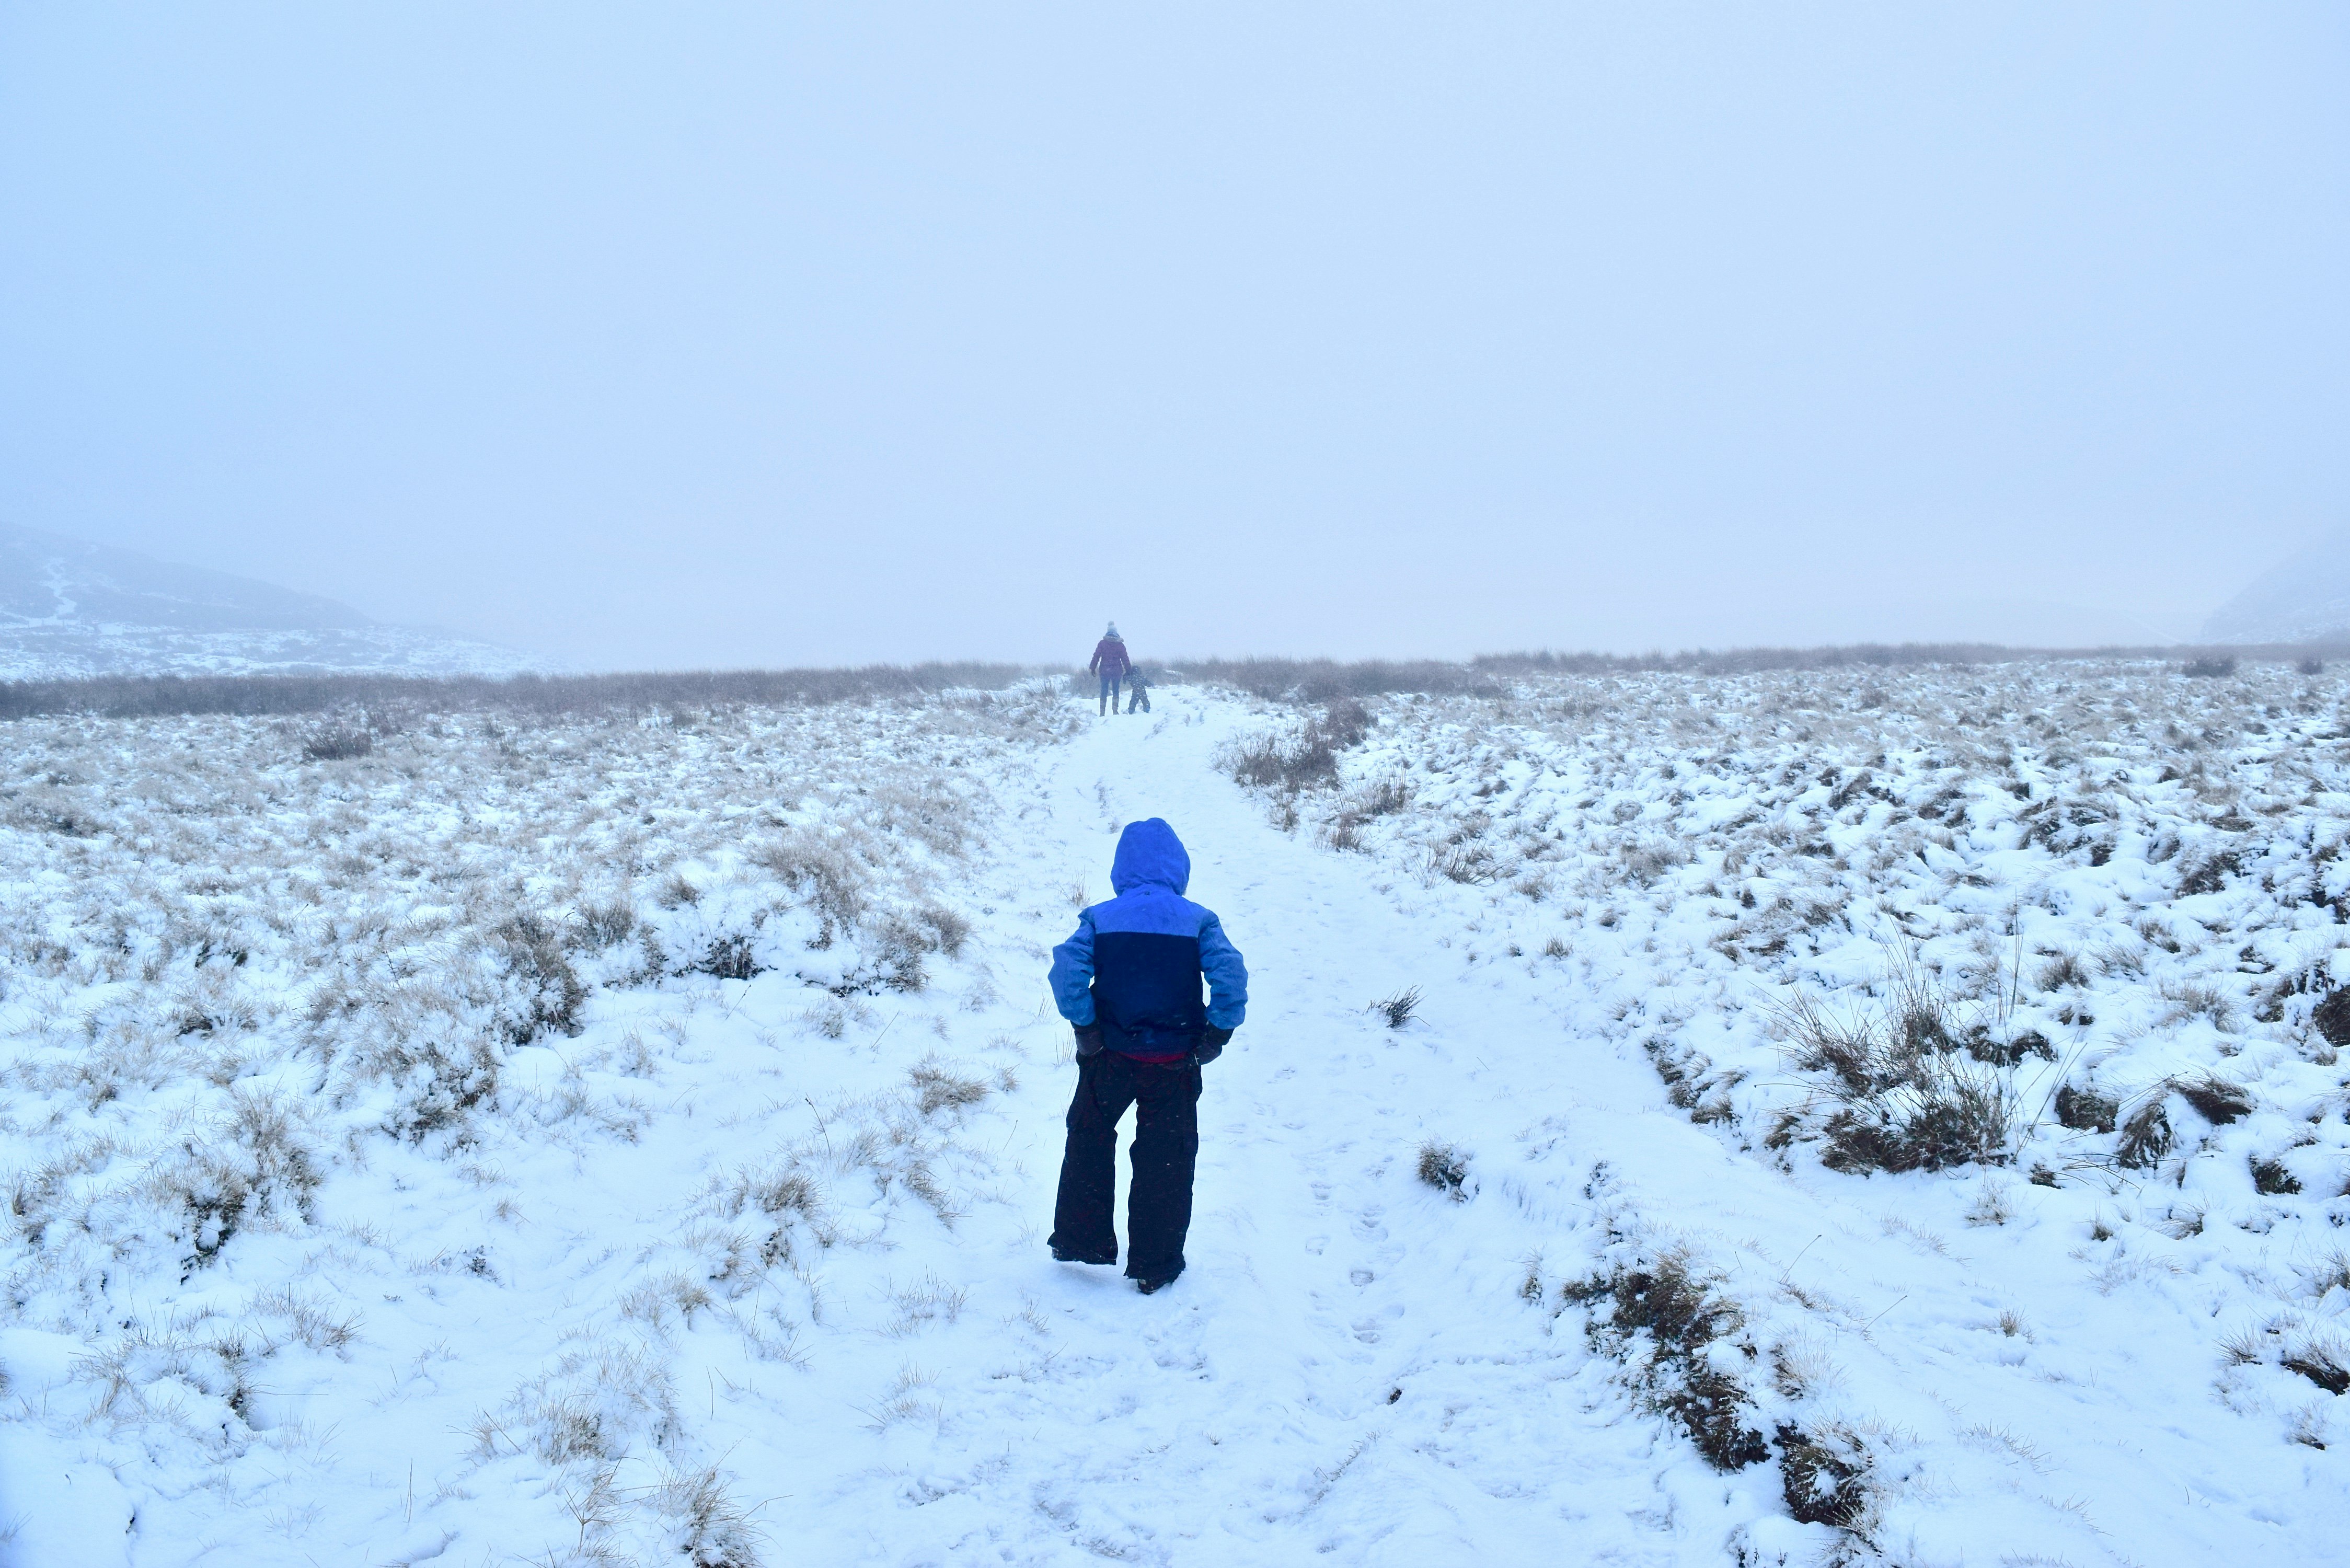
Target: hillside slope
(2304, 599)
(69, 607)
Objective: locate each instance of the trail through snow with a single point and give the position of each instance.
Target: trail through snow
(1349, 1369)
(1344, 1368)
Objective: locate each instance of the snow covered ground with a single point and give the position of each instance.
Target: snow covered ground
(633, 1141)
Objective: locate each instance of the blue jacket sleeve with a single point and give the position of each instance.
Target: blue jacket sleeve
(1073, 974)
(1227, 976)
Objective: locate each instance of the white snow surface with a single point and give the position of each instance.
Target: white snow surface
(391, 1179)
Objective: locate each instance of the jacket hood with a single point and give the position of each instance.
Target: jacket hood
(1149, 856)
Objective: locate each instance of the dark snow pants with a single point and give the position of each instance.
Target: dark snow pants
(1141, 699)
(1108, 693)
(1166, 1098)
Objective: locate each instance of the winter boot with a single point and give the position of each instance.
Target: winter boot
(1152, 1286)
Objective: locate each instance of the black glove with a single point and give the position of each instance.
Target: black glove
(1212, 1042)
(1089, 1040)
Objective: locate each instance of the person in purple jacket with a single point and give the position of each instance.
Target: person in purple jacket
(1110, 662)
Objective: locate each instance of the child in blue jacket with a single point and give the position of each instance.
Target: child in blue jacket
(1129, 981)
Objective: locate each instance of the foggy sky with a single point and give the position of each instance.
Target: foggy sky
(661, 335)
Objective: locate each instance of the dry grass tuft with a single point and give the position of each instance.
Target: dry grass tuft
(1444, 1168)
(1398, 1009)
(940, 1089)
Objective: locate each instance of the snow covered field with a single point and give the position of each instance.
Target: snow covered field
(633, 1140)
(79, 652)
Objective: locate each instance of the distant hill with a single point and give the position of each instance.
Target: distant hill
(2304, 599)
(70, 608)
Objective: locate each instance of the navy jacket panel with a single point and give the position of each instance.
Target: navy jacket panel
(1146, 992)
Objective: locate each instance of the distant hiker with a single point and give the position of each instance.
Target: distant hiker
(1128, 983)
(1110, 662)
(1140, 689)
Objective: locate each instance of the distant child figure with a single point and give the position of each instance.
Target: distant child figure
(1129, 981)
(1139, 687)
(1110, 662)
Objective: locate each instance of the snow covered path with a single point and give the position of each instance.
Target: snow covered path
(1346, 1369)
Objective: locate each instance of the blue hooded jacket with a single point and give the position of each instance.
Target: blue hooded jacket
(1135, 964)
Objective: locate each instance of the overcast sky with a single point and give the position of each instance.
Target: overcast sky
(666, 336)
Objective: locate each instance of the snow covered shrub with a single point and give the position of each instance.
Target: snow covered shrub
(728, 956)
(1444, 1168)
(1381, 798)
(2274, 1179)
(337, 743)
(2322, 1358)
(2208, 666)
(2063, 971)
(786, 1191)
(551, 991)
(597, 1402)
(707, 1528)
(1994, 1204)
(1305, 758)
(2146, 1136)
(940, 1088)
(192, 1380)
(253, 1166)
(1468, 863)
(606, 925)
(948, 931)
(1898, 1091)
(1343, 832)
(787, 1194)
(2086, 1110)
(435, 1083)
(1667, 1322)
(1824, 1476)
(653, 1302)
(310, 1320)
(1345, 722)
(825, 870)
(1690, 1083)
(2215, 1099)
(2330, 1017)
(1643, 863)
(1256, 762)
